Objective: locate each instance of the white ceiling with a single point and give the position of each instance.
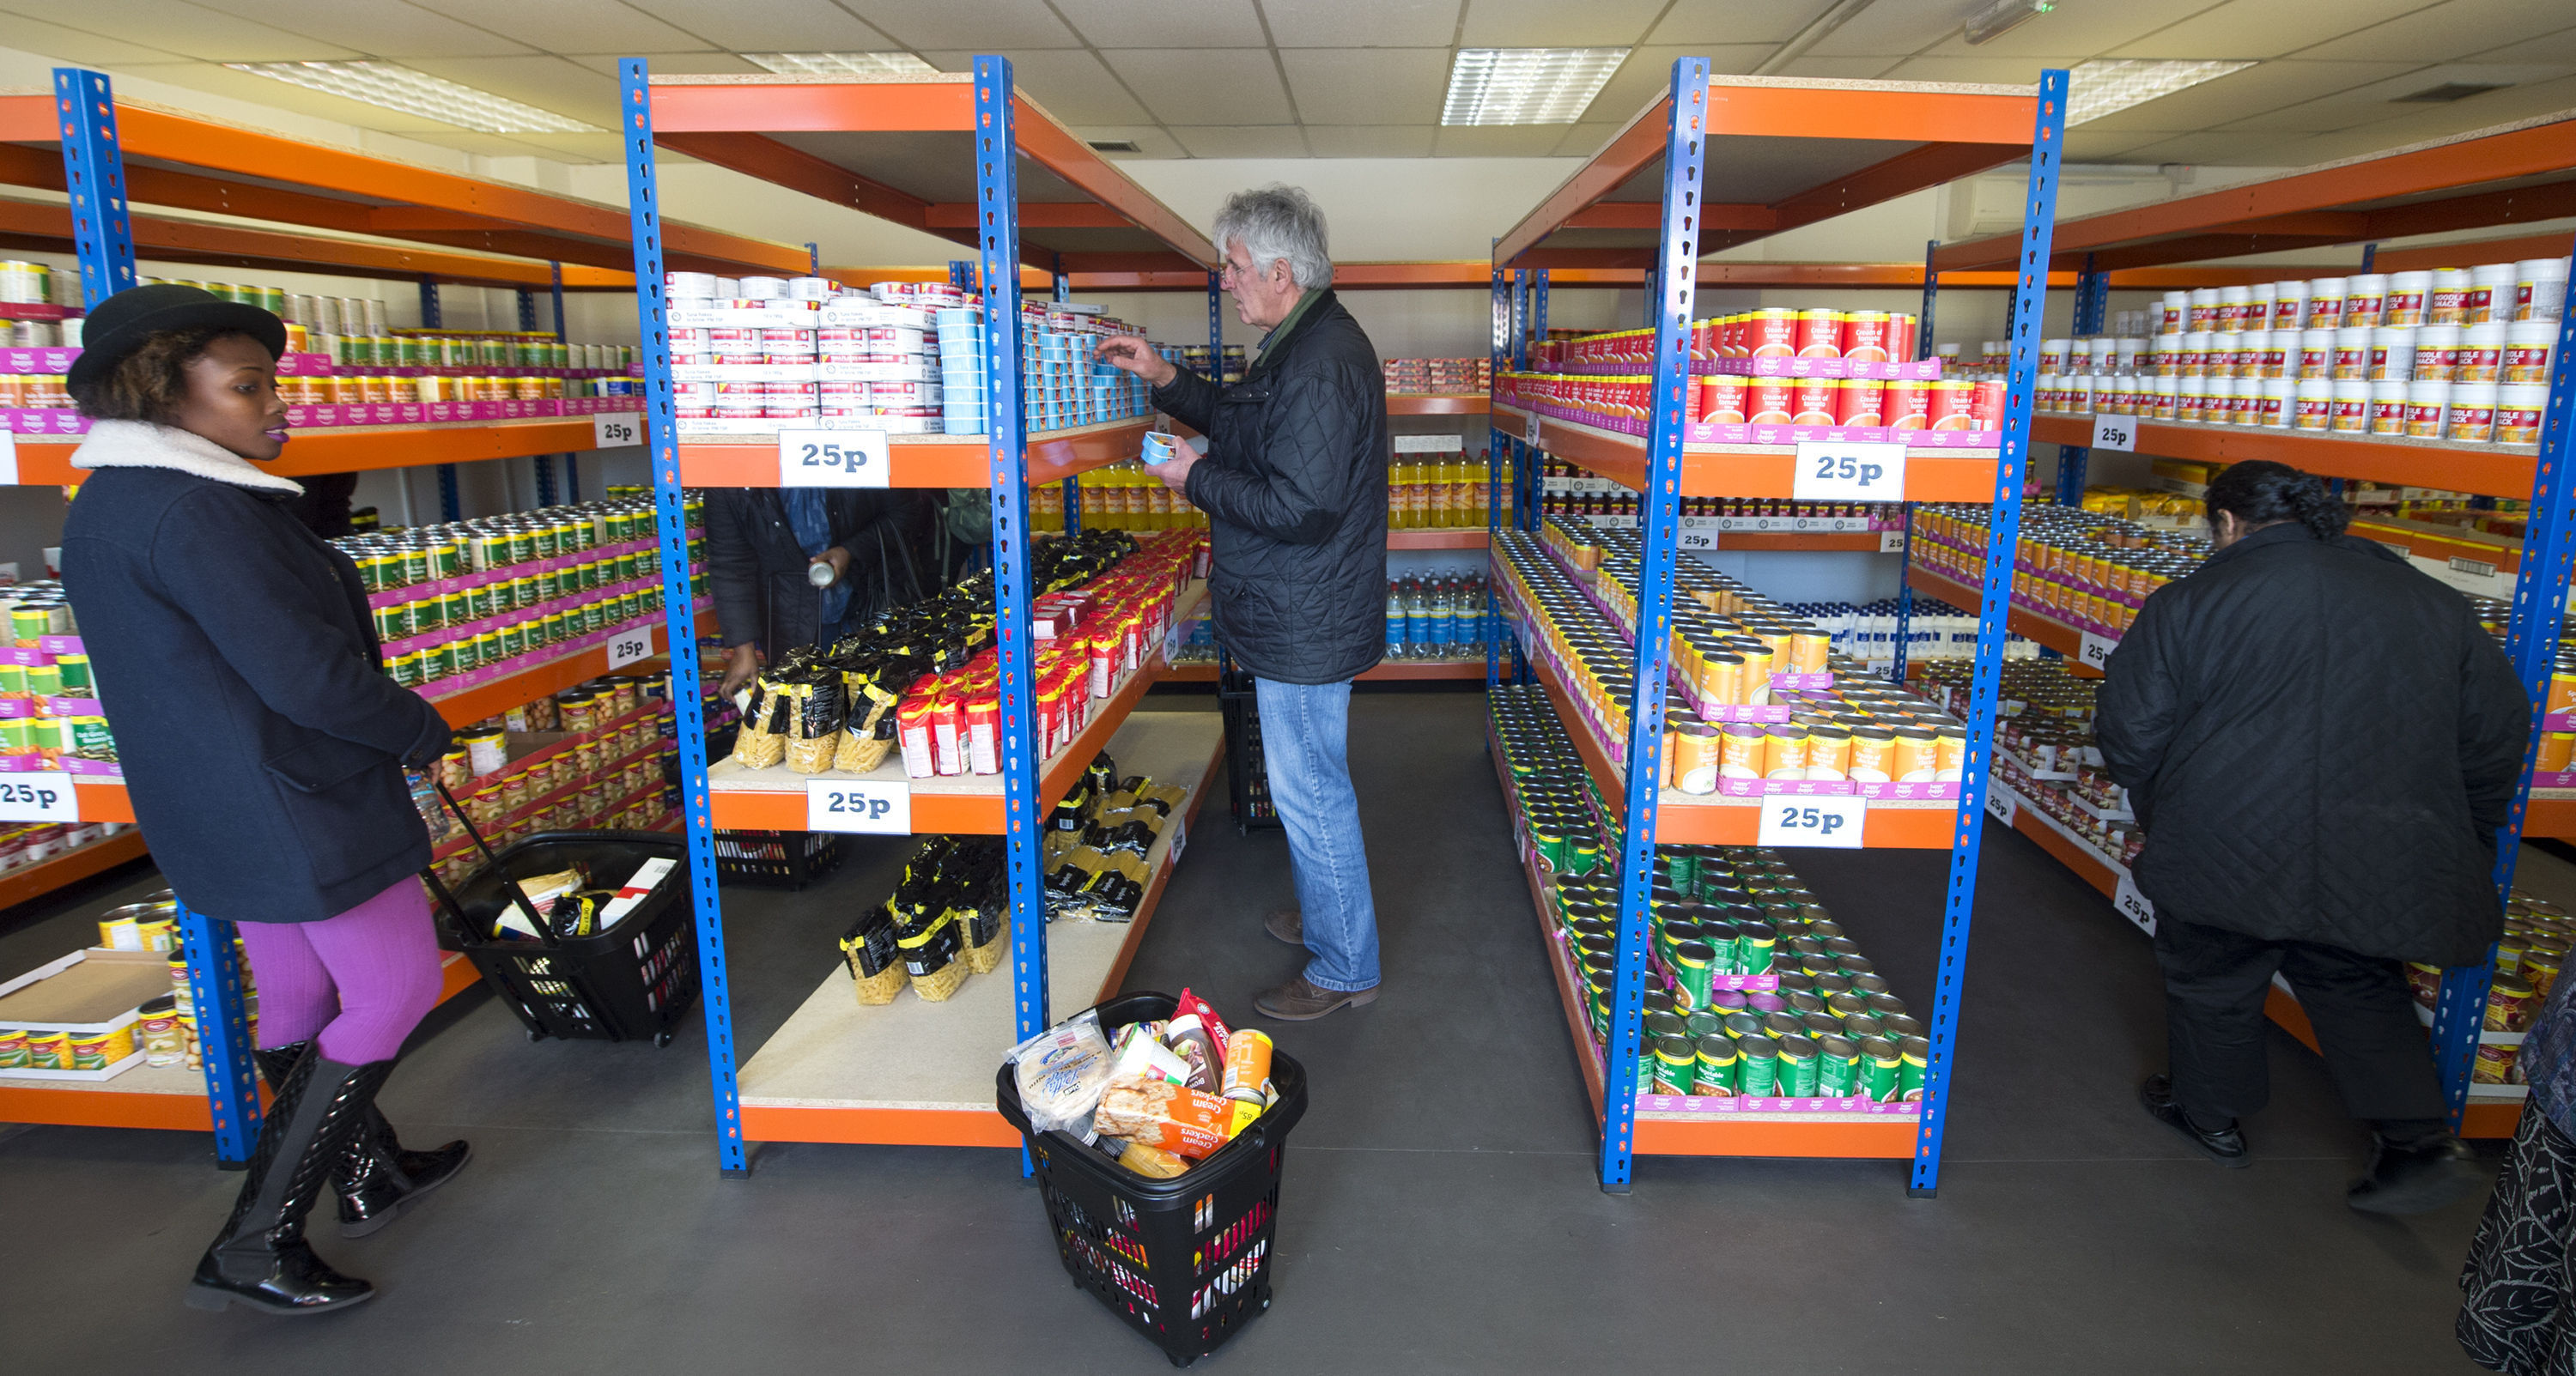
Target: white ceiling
(1364, 78)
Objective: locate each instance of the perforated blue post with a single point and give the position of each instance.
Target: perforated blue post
(2369, 255)
(1538, 309)
(1062, 281)
(961, 274)
(1521, 279)
(554, 271)
(997, 209)
(813, 259)
(223, 1034)
(1216, 327)
(1660, 526)
(2531, 641)
(2038, 225)
(94, 178)
(2092, 307)
(1931, 296)
(1904, 596)
(431, 317)
(671, 532)
(543, 463)
(448, 507)
(1500, 452)
(1648, 305)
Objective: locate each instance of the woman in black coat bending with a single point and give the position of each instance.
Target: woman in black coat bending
(2321, 743)
(791, 566)
(263, 748)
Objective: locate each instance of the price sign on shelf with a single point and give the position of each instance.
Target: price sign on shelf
(2001, 804)
(1855, 472)
(616, 429)
(2134, 906)
(862, 805)
(1832, 820)
(1529, 429)
(1697, 539)
(1891, 542)
(626, 647)
(8, 458)
(38, 798)
(2116, 432)
(2095, 651)
(834, 458)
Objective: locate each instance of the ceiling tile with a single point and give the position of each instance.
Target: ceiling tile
(1839, 68)
(224, 81)
(925, 24)
(1375, 23)
(2440, 32)
(1498, 141)
(1554, 24)
(1241, 140)
(1151, 140)
(2243, 95)
(547, 82)
(1648, 74)
(1071, 83)
(576, 26)
(2556, 47)
(181, 28)
(1368, 85)
(74, 45)
(2083, 29)
(1164, 23)
(1898, 28)
(378, 28)
(2261, 28)
(2365, 103)
(1204, 86)
(1997, 68)
(1369, 140)
(771, 26)
(1701, 23)
(671, 64)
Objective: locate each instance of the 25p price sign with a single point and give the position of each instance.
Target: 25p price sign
(616, 429)
(2116, 432)
(876, 807)
(1831, 820)
(834, 458)
(2094, 651)
(46, 798)
(626, 647)
(1854, 472)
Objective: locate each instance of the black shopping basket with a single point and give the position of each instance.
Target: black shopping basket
(631, 981)
(1185, 1261)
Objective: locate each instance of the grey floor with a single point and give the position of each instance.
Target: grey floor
(1439, 1214)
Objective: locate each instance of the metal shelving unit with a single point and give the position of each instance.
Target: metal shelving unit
(2505, 175)
(911, 149)
(1797, 150)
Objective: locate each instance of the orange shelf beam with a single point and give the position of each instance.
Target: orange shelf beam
(29, 226)
(1931, 475)
(2494, 470)
(1828, 541)
(926, 460)
(351, 448)
(34, 881)
(1469, 404)
(1472, 537)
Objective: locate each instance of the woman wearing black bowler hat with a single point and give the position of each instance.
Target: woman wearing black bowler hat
(263, 748)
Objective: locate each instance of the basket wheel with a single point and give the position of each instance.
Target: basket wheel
(662, 1039)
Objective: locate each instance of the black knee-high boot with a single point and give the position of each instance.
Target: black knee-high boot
(261, 1258)
(378, 1179)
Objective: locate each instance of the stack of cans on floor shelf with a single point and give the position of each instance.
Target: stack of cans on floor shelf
(1062, 383)
(1756, 999)
(961, 367)
(2045, 753)
(2528, 959)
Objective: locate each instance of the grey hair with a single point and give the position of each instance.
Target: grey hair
(1274, 222)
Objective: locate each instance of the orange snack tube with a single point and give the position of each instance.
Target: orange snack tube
(1184, 1121)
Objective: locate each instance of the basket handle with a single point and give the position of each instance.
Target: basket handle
(510, 886)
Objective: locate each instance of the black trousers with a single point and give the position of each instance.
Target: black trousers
(2379, 1056)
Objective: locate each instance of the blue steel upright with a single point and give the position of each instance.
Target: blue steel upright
(1500, 451)
(2531, 642)
(997, 197)
(2092, 307)
(1931, 296)
(2038, 227)
(544, 463)
(1659, 526)
(94, 177)
(653, 316)
(223, 1035)
(572, 461)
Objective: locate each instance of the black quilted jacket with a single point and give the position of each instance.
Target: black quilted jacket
(2321, 743)
(1294, 485)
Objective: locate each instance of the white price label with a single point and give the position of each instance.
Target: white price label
(626, 647)
(38, 798)
(1856, 472)
(616, 429)
(2116, 432)
(1826, 820)
(8, 458)
(2095, 651)
(1891, 542)
(1529, 430)
(2134, 906)
(833, 458)
(866, 805)
(1180, 838)
(2001, 804)
(1697, 539)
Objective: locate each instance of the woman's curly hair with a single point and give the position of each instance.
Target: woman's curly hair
(149, 383)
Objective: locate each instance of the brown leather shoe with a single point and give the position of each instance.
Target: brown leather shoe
(1299, 1001)
(1287, 924)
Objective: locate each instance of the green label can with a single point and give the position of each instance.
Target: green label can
(1880, 1069)
(1798, 1056)
(1662, 1025)
(1915, 1063)
(468, 653)
(1758, 1075)
(1722, 939)
(1676, 1065)
(1741, 1025)
(1757, 947)
(1692, 975)
(1714, 1078)
(1705, 1024)
(1837, 1067)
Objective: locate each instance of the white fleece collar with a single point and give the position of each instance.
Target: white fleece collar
(141, 444)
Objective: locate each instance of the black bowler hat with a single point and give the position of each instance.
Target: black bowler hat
(123, 322)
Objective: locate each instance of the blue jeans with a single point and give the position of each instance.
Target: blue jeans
(1305, 739)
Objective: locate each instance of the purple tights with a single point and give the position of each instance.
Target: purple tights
(359, 981)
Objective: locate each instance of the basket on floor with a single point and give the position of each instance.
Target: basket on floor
(627, 983)
(1247, 771)
(1185, 1261)
(776, 859)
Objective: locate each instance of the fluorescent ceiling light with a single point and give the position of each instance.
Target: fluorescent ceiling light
(2096, 89)
(1995, 19)
(841, 64)
(418, 93)
(1526, 85)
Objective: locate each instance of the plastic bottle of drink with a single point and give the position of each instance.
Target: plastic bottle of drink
(1417, 621)
(1435, 606)
(1395, 620)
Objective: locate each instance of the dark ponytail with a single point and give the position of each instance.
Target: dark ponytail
(2261, 493)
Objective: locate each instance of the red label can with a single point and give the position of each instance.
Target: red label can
(1866, 336)
(1906, 404)
(1768, 400)
(1814, 404)
(1859, 401)
(1772, 333)
(1820, 334)
(1987, 409)
(1722, 398)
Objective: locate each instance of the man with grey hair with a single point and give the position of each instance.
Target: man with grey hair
(1294, 486)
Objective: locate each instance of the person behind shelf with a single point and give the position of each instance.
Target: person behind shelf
(761, 542)
(263, 748)
(2518, 1302)
(1294, 486)
(2320, 742)
(323, 506)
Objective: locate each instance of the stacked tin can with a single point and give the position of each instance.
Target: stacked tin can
(2528, 959)
(961, 367)
(2091, 570)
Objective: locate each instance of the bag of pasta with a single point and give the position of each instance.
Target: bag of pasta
(867, 734)
(930, 955)
(814, 726)
(876, 962)
(762, 741)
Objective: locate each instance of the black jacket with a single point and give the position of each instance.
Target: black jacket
(756, 570)
(1294, 485)
(2321, 743)
(262, 743)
